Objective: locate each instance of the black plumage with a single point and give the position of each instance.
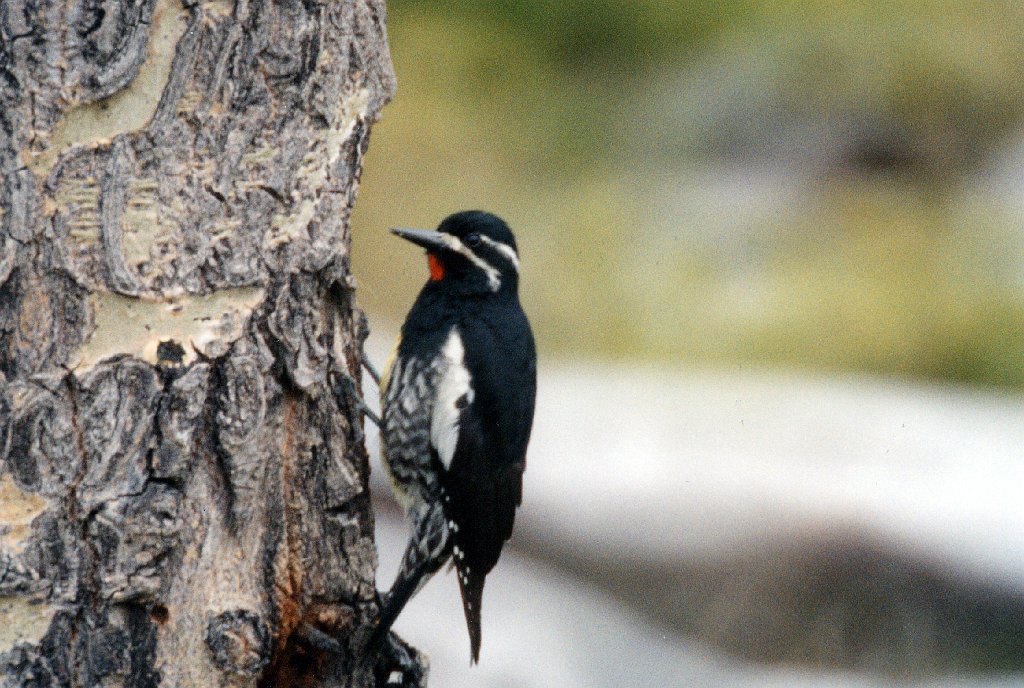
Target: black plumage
(457, 409)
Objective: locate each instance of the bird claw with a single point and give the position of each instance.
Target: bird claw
(374, 375)
(318, 640)
(399, 665)
(362, 334)
(347, 386)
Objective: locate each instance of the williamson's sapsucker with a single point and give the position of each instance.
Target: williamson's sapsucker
(457, 405)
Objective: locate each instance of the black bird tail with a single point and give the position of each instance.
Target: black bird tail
(471, 585)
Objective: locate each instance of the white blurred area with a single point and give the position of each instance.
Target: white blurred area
(744, 529)
(543, 628)
(677, 463)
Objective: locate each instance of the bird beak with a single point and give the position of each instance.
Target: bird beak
(427, 238)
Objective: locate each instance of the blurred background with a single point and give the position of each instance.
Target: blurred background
(773, 253)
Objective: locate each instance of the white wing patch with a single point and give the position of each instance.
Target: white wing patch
(454, 392)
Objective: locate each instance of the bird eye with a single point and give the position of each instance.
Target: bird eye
(472, 240)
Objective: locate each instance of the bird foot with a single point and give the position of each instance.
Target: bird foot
(316, 639)
(346, 386)
(400, 665)
(374, 375)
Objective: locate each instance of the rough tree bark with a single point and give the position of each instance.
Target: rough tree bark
(183, 484)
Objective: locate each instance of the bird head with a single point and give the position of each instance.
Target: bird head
(471, 251)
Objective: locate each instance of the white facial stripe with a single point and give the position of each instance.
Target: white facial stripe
(493, 276)
(505, 250)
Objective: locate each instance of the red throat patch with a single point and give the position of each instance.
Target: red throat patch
(436, 268)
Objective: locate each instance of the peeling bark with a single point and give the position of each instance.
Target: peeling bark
(183, 483)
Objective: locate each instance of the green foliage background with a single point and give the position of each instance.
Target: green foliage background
(816, 185)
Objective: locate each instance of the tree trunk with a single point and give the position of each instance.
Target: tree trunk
(183, 482)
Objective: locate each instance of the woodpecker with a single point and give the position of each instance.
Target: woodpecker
(457, 404)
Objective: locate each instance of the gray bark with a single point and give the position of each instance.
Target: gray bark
(183, 483)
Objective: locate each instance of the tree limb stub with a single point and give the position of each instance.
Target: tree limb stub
(183, 498)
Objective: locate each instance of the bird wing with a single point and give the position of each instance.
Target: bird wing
(482, 487)
(485, 474)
